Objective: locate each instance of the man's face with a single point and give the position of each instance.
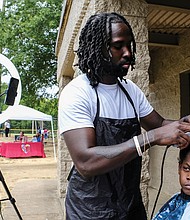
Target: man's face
(120, 48)
(184, 175)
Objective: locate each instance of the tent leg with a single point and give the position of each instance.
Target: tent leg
(53, 140)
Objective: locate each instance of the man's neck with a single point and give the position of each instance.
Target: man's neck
(108, 79)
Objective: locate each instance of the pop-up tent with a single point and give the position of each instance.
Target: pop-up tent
(21, 112)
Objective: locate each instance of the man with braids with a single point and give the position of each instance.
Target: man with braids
(100, 117)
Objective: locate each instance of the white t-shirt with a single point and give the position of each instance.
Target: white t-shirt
(78, 103)
(7, 124)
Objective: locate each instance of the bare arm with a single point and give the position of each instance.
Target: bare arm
(154, 120)
(93, 160)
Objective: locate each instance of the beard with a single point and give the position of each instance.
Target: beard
(113, 69)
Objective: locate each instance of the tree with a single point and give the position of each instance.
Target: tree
(28, 33)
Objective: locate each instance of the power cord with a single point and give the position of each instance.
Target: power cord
(161, 181)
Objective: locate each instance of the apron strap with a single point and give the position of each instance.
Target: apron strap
(71, 172)
(128, 97)
(98, 108)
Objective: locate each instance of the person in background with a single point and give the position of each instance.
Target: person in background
(42, 138)
(39, 130)
(45, 133)
(22, 137)
(101, 114)
(38, 137)
(7, 127)
(34, 138)
(42, 131)
(178, 207)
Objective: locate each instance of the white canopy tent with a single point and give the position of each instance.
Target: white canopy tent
(21, 112)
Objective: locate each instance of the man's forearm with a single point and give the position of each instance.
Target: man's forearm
(167, 121)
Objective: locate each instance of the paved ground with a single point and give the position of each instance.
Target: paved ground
(35, 200)
(32, 182)
(38, 199)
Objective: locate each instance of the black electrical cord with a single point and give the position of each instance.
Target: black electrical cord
(161, 181)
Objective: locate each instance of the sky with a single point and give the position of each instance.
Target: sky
(1, 4)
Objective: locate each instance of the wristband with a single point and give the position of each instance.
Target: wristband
(137, 145)
(148, 139)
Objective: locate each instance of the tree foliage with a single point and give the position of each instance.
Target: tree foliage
(28, 33)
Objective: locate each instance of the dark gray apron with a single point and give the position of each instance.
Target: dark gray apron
(114, 195)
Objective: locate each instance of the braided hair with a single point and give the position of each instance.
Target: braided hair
(95, 36)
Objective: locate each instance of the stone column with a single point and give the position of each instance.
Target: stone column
(135, 12)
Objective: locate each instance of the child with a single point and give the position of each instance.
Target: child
(22, 137)
(178, 207)
(34, 139)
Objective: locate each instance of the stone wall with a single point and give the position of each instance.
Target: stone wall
(166, 65)
(135, 11)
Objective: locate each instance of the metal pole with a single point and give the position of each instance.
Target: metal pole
(12, 200)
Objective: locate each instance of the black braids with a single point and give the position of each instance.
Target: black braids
(109, 35)
(90, 58)
(85, 57)
(101, 40)
(82, 52)
(105, 41)
(96, 62)
(105, 34)
(93, 51)
(84, 45)
(97, 44)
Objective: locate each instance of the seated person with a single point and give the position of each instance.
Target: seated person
(178, 207)
(34, 139)
(22, 138)
(38, 138)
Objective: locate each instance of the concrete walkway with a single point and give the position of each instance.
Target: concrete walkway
(35, 200)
